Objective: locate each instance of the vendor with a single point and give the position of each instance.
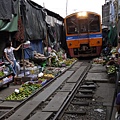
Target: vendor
(52, 55)
(106, 50)
(47, 50)
(111, 62)
(53, 59)
(9, 56)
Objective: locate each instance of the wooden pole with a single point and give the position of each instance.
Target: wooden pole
(22, 13)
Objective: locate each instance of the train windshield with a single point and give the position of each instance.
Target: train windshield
(72, 25)
(79, 25)
(94, 23)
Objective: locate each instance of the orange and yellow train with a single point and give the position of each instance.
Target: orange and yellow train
(83, 34)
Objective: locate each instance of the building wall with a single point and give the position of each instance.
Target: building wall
(106, 14)
(109, 10)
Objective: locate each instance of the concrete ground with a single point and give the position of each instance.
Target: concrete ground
(105, 88)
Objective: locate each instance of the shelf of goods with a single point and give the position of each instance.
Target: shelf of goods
(6, 75)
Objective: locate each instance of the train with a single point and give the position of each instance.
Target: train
(83, 34)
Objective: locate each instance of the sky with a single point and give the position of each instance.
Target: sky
(59, 6)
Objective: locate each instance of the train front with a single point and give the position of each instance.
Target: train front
(83, 34)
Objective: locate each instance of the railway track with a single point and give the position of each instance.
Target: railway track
(68, 97)
(81, 104)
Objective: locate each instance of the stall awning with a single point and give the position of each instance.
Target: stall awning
(9, 26)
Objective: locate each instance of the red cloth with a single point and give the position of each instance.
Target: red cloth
(19, 36)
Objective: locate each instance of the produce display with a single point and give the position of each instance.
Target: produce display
(1, 74)
(24, 91)
(38, 55)
(43, 77)
(27, 63)
(53, 70)
(6, 75)
(113, 50)
(66, 62)
(40, 80)
(48, 76)
(98, 61)
(69, 62)
(111, 69)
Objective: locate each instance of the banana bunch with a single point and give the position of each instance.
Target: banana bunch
(48, 76)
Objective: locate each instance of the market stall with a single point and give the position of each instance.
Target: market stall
(111, 61)
(30, 85)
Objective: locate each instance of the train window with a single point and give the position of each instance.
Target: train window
(72, 30)
(94, 27)
(83, 25)
(94, 23)
(71, 24)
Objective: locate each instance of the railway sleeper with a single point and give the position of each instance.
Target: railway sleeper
(80, 103)
(84, 96)
(88, 86)
(5, 107)
(86, 91)
(89, 83)
(76, 112)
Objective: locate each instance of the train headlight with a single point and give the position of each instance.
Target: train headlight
(82, 14)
